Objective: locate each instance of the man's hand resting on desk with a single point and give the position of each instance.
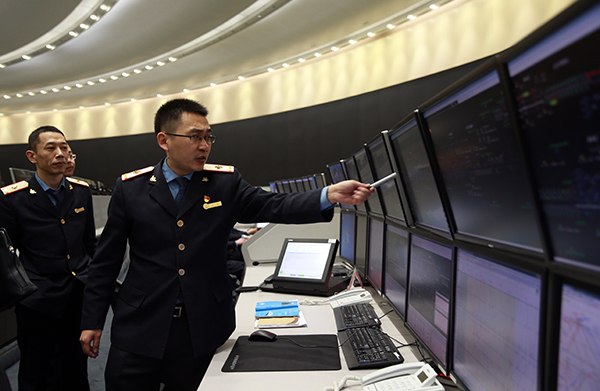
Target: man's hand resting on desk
(90, 342)
(349, 192)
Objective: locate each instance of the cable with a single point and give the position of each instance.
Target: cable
(342, 384)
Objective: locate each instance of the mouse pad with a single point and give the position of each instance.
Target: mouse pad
(321, 353)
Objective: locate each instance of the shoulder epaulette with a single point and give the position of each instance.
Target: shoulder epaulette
(218, 167)
(77, 181)
(135, 173)
(15, 187)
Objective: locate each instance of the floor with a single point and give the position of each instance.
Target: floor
(95, 366)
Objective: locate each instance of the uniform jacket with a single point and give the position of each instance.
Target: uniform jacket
(54, 247)
(173, 249)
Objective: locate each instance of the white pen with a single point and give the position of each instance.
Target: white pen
(383, 180)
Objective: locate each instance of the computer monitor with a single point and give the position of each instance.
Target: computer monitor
(360, 254)
(481, 164)
(293, 185)
(273, 187)
(347, 236)
(307, 184)
(429, 290)
(556, 85)
(579, 351)
(352, 173)
(415, 169)
(375, 253)
(497, 325)
(396, 267)
(20, 174)
(286, 186)
(320, 180)
(382, 167)
(366, 176)
(336, 172)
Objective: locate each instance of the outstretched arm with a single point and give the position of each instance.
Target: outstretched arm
(349, 192)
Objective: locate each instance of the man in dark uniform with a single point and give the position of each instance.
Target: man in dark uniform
(50, 220)
(175, 306)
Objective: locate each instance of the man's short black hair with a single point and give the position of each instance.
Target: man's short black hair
(34, 137)
(169, 114)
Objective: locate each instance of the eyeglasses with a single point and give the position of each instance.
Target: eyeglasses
(73, 156)
(195, 138)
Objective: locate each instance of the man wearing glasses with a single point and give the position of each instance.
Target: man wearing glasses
(175, 307)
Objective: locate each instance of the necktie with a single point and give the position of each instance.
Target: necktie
(182, 182)
(54, 198)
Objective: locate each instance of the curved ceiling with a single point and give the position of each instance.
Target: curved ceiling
(186, 43)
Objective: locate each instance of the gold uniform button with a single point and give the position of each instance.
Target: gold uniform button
(73, 273)
(180, 223)
(181, 272)
(62, 221)
(181, 246)
(68, 256)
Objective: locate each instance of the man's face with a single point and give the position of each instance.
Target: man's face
(185, 155)
(50, 155)
(70, 166)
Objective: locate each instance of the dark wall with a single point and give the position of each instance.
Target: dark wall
(267, 148)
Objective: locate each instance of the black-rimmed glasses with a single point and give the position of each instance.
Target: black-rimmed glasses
(195, 138)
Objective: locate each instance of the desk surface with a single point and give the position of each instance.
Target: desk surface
(320, 321)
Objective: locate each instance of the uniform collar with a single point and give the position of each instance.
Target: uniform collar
(45, 187)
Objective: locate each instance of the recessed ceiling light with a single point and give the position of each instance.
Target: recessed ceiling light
(55, 89)
(133, 99)
(73, 33)
(137, 71)
(411, 17)
(301, 60)
(67, 88)
(31, 93)
(334, 48)
(241, 77)
(26, 57)
(43, 92)
(148, 67)
(160, 63)
(2, 66)
(433, 7)
(91, 83)
(78, 85)
(172, 59)
(317, 54)
(95, 17)
(186, 90)
(390, 26)
(102, 80)
(50, 47)
(104, 7)
(352, 42)
(125, 74)
(270, 69)
(159, 95)
(19, 95)
(212, 84)
(6, 96)
(84, 26)
(371, 34)
(285, 65)
(106, 104)
(113, 77)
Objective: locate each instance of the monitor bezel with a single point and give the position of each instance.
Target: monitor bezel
(399, 312)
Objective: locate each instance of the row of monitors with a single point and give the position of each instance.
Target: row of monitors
(481, 313)
(507, 157)
(295, 185)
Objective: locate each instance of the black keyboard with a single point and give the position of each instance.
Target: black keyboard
(368, 347)
(355, 315)
(340, 271)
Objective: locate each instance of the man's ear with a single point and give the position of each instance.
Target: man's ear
(31, 156)
(161, 138)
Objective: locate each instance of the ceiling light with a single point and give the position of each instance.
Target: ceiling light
(158, 95)
(95, 17)
(411, 17)
(78, 85)
(371, 34)
(2, 66)
(285, 65)
(55, 89)
(212, 84)
(91, 83)
(137, 71)
(67, 88)
(433, 7)
(6, 96)
(186, 90)
(172, 59)
(334, 48)
(55, 110)
(84, 26)
(390, 26)
(160, 63)
(148, 67)
(43, 92)
(317, 54)
(31, 93)
(26, 57)
(301, 60)
(105, 8)
(106, 104)
(73, 33)
(133, 99)
(270, 69)
(102, 80)
(19, 95)
(50, 47)
(125, 74)
(113, 77)
(241, 77)
(351, 42)
(81, 107)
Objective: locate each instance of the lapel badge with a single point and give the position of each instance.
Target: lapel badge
(31, 191)
(205, 179)
(78, 210)
(206, 198)
(213, 205)
(152, 178)
(70, 187)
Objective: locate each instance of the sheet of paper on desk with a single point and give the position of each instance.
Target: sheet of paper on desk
(272, 309)
(281, 322)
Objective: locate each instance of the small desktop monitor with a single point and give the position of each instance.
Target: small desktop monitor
(366, 176)
(352, 173)
(336, 172)
(382, 167)
(360, 254)
(293, 185)
(347, 236)
(320, 180)
(556, 84)
(286, 186)
(579, 350)
(415, 169)
(375, 253)
(429, 290)
(497, 325)
(396, 267)
(273, 187)
(312, 182)
(307, 184)
(280, 188)
(481, 164)
(20, 174)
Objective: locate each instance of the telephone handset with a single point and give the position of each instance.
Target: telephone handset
(407, 376)
(353, 296)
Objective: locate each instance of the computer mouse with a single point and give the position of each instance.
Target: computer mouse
(262, 335)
